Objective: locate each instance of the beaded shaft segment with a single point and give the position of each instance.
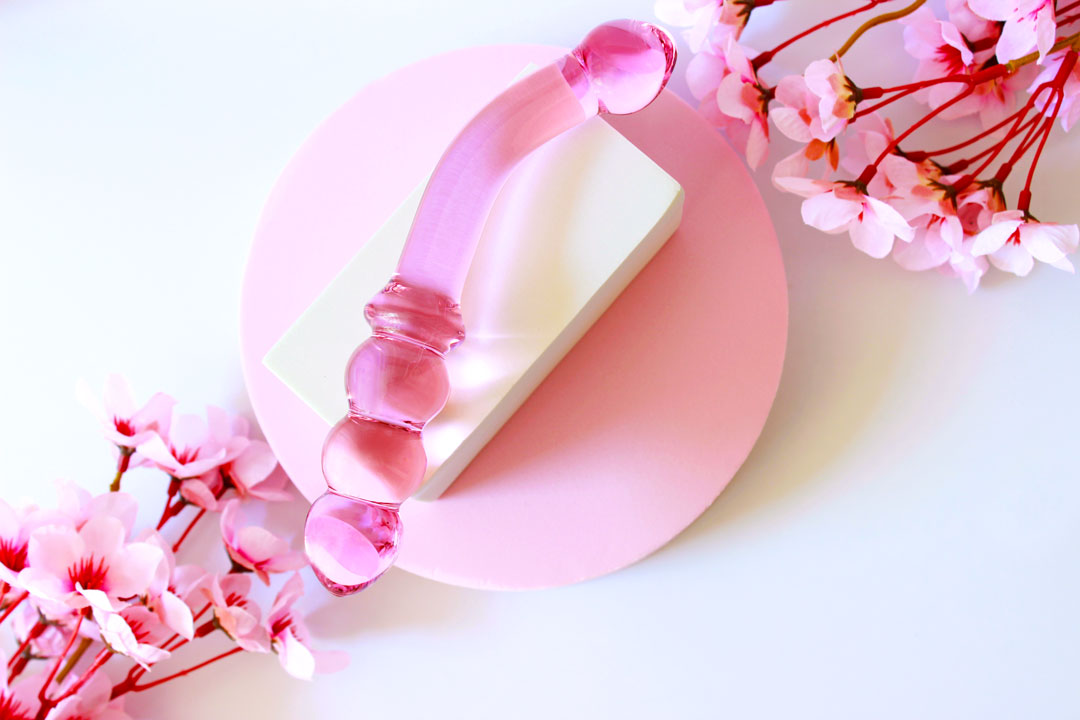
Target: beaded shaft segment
(373, 458)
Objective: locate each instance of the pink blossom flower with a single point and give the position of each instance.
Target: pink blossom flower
(935, 238)
(973, 27)
(48, 639)
(194, 446)
(841, 207)
(1013, 243)
(135, 632)
(89, 566)
(835, 96)
(709, 22)
(18, 700)
(256, 548)
(76, 506)
(741, 103)
(92, 701)
(15, 529)
(251, 474)
(964, 265)
(976, 208)
(170, 587)
(868, 138)
(126, 425)
(943, 50)
(1029, 25)
(798, 115)
(703, 75)
(940, 243)
(795, 168)
(938, 45)
(909, 187)
(289, 636)
(204, 491)
(1069, 112)
(234, 613)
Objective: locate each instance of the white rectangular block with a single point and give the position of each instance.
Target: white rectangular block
(576, 221)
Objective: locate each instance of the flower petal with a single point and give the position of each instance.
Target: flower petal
(133, 569)
(828, 213)
(295, 657)
(994, 237)
(1049, 242)
(253, 465)
(176, 614)
(1013, 258)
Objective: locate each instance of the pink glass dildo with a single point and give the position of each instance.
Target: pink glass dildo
(397, 381)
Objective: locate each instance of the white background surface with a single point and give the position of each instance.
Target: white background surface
(901, 543)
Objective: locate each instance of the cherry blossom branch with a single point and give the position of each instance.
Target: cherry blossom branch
(1067, 7)
(763, 58)
(101, 658)
(171, 510)
(188, 529)
(1007, 167)
(45, 704)
(964, 163)
(871, 170)
(121, 467)
(17, 656)
(1033, 132)
(978, 78)
(14, 604)
(72, 661)
(126, 686)
(973, 139)
(1059, 44)
(1067, 65)
(874, 21)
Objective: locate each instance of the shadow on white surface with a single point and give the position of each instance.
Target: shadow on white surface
(399, 602)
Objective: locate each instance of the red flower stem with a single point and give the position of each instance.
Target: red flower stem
(100, 659)
(33, 633)
(1034, 131)
(181, 643)
(126, 687)
(1055, 85)
(1067, 20)
(188, 529)
(980, 136)
(965, 163)
(121, 468)
(978, 78)
(1024, 201)
(970, 177)
(1067, 7)
(871, 170)
(763, 58)
(202, 612)
(56, 666)
(171, 510)
(11, 608)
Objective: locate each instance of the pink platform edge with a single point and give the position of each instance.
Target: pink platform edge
(639, 428)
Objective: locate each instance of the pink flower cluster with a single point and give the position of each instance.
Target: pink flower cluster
(1010, 63)
(84, 588)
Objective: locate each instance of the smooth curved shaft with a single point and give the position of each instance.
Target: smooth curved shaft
(373, 459)
(463, 188)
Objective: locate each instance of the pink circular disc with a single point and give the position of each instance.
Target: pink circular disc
(643, 423)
